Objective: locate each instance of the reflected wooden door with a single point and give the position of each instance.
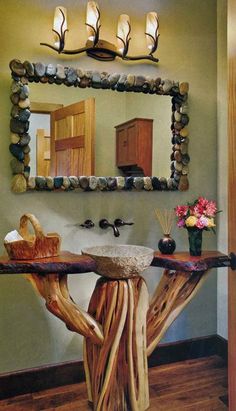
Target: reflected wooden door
(72, 139)
(42, 153)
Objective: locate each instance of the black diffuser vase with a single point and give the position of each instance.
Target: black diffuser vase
(167, 244)
(166, 217)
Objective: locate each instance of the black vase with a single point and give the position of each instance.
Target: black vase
(166, 244)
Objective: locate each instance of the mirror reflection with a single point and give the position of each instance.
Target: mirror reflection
(99, 132)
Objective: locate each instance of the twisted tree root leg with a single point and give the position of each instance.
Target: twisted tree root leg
(116, 372)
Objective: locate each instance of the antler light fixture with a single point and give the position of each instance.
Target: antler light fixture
(102, 49)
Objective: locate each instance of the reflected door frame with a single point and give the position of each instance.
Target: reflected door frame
(43, 108)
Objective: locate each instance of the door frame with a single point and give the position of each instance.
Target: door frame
(232, 200)
(43, 108)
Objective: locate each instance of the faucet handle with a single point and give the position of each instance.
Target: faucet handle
(87, 224)
(119, 222)
(103, 223)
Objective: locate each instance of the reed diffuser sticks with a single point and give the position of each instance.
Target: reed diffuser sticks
(166, 218)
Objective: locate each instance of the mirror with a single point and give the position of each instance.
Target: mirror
(111, 109)
(146, 104)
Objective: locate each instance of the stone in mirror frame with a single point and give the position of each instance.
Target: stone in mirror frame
(27, 72)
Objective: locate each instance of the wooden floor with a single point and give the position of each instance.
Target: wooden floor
(194, 385)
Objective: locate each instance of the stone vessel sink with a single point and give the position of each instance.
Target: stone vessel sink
(120, 261)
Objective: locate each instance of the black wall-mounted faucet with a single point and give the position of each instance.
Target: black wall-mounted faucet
(120, 223)
(103, 223)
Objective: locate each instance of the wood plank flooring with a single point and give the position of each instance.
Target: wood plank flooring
(193, 385)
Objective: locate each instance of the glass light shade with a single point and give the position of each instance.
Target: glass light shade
(92, 19)
(58, 24)
(123, 31)
(151, 28)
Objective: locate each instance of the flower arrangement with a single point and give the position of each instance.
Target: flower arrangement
(196, 217)
(200, 214)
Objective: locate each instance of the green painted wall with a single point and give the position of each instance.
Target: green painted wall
(29, 335)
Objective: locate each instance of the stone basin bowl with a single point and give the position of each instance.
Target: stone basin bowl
(120, 261)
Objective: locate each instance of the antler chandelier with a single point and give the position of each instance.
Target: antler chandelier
(101, 49)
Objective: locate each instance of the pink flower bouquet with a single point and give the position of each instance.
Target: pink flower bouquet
(199, 214)
(196, 217)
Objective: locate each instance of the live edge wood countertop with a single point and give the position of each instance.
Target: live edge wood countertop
(182, 261)
(69, 263)
(65, 263)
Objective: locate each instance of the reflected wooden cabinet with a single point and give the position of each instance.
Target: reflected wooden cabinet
(134, 146)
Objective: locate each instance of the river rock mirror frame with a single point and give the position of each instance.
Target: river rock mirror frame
(27, 72)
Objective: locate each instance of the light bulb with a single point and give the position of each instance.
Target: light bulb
(123, 30)
(59, 24)
(92, 19)
(151, 29)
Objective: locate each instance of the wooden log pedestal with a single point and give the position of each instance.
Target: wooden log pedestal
(121, 327)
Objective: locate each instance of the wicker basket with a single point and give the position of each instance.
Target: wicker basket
(33, 246)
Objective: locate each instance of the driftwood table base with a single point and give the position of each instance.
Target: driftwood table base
(121, 327)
